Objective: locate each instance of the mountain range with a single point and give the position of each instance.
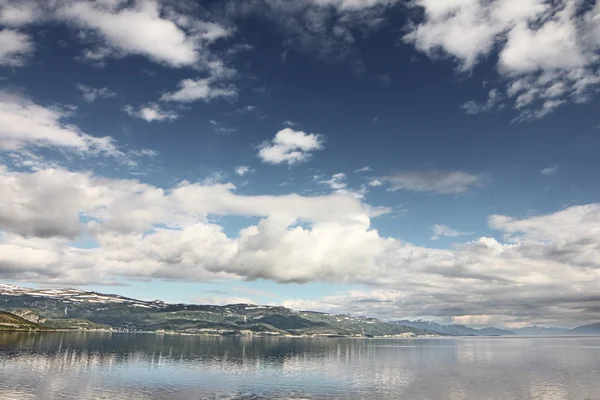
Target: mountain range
(74, 309)
(461, 330)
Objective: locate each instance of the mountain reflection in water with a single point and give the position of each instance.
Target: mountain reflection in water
(145, 366)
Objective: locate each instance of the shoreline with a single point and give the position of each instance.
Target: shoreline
(166, 333)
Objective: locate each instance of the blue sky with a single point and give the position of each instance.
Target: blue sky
(402, 160)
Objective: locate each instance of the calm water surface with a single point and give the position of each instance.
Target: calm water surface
(143, 366)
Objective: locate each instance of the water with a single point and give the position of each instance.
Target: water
(143, 366)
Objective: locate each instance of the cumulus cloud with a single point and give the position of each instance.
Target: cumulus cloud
(545, 273)
(150, 112)
(91, 94)
(547, 51)
(129, 221)
(443, 230)
(290, 146)
(14, 47)
(442, 182)
(547, 269)
(205, 89)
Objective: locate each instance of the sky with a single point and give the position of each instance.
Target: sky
(418, 159)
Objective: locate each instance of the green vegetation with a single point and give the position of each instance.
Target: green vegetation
(12, 322)
(91, 311)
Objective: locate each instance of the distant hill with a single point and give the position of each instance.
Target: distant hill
(12, 322)
(541, 331)
(85, 310)
(454, 330)
(461, 330)
(495, 332)
(593, 329)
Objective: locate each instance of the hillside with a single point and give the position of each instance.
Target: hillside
(86, 310)
(14, 323)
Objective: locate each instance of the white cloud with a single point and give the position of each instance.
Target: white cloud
(123, 215)
(91, 94)
(151, 112)
(547, 51)
(549, 170)
(375, 182)
(443, 230)
(366, 168)
(545, 274)
(27, 124)
(553, 45)
(143, 28)
(130, 206)
(443, 182)
(243, 170)
(290, 146)
(14, 48)
(200, 89)
(338, 184)
(19, 13)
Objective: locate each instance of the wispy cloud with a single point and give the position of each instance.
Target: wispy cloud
(551, 170)
(91, 94)
(15, 47)
(443, 230)
(434, 181)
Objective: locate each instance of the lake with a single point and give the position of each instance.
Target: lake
(146, 366)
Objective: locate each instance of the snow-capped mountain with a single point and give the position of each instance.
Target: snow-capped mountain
(81, 309)
(77, 296)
